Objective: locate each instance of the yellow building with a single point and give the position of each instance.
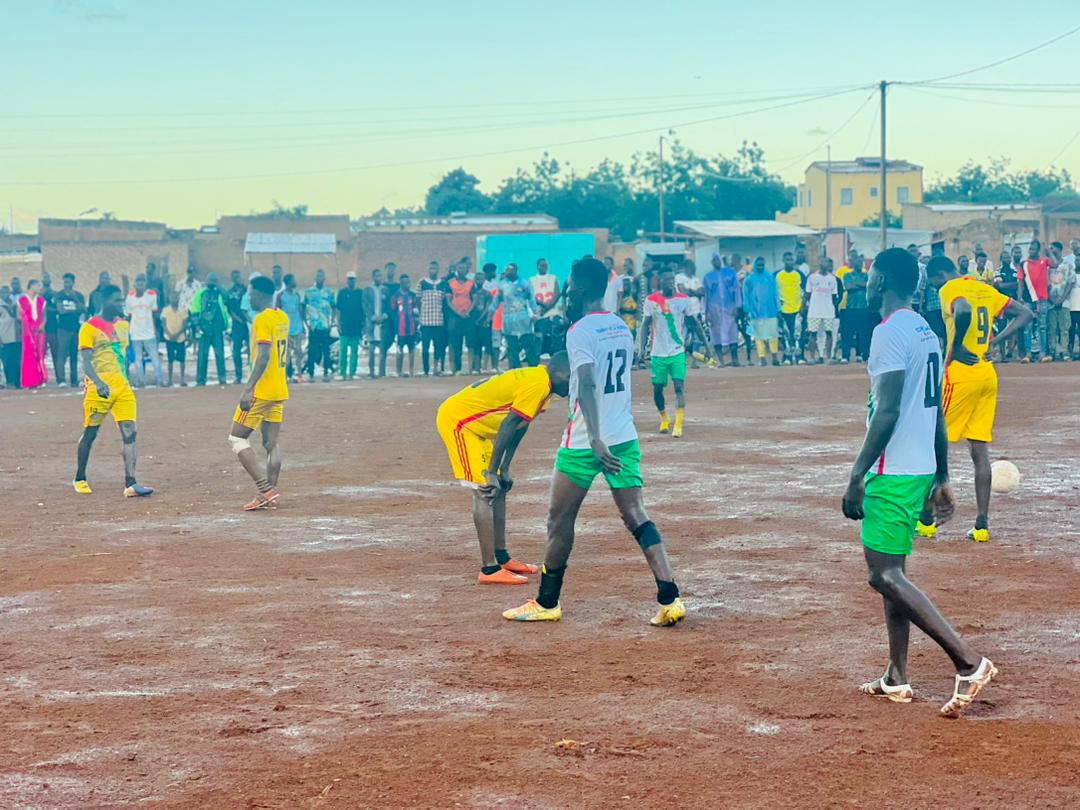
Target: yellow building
(856, 186)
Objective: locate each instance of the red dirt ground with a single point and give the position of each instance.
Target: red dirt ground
(176, 652)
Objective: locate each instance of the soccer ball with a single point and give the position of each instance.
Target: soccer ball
(1004, 477)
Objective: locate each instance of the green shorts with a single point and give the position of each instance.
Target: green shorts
(663, 366)
(582, 466)
(890, 510)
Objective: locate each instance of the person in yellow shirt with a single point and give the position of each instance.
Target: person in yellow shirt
(262, 405)
(790, 283)
(103, 344)
(482, 426)
(969, 393)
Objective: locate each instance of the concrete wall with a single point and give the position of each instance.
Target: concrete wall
(922, 217)
(812, 192)
(88, 259)
(99, 230)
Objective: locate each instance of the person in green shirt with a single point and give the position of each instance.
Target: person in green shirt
(208, 321)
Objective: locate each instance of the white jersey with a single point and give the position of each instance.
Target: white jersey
(691, 284)
(668, 322)
(614, 294)
(604, 340)
(905, 342)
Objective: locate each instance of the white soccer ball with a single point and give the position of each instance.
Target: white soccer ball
(1004, 477)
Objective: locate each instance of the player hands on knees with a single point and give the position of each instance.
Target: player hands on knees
(482, 426)
(600, 439)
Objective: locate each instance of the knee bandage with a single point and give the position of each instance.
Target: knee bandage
(239, 445)
(647, 535)
(128, 438)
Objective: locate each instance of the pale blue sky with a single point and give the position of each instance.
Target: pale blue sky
(177, 110)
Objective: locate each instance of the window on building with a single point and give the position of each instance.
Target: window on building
(801, 199)
(903, 194)
(873, 192)
(847, 196)
(809, 198)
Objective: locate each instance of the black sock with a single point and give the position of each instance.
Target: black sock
(926, 517)
(263, 485)
(502, 556)
(550, 586)
(982, 523)
(666, 592)
(490, 569)
(129, 481)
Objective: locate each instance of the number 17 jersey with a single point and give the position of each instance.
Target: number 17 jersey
(605, 341)
(271, 328)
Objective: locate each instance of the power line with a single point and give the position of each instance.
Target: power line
(1065, 148)
(829, 139)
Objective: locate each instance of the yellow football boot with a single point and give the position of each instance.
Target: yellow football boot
(979, 535)
(668, 615)
(533, 611)
(676, 432)
(925, 529)
(82, 487)
(665, 423)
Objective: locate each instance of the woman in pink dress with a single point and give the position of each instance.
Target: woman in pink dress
(32, 313)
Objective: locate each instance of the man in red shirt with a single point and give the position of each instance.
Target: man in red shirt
(1032, 289)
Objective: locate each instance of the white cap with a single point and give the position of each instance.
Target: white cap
(254, 276)
(351, 274)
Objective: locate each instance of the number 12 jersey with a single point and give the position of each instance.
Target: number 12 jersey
(271, 328)
(603, 340)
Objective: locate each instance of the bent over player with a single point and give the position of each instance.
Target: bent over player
(903, 461)
(103, 344)
(667, 314)
(969, 307)
(263, 402)
(599, 439)
(482, 426)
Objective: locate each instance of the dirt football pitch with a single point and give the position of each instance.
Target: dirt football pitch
(337, 652)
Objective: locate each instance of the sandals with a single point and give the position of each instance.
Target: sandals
(901, 693)
(968, 686)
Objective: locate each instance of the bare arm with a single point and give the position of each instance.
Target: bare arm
(699, 334)
(262, 360)
(590, 410)
(511, 432)
(1021, 317)
(91, 372)
(888, 390)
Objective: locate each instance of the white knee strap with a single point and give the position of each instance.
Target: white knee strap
(239, 445)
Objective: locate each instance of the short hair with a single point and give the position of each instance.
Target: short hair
(288, 277)
(900, 269)
(1035, 242)
(263, 285)
(69, 275)
(492, 266)
(788, 253)
(590, 276)
(1057, 245)
(940, 264)
(108, 291)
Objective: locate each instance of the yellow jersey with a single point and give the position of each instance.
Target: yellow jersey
(790, 286)
(482, 407)
(843, 271)
(986, 305)
(271, 328)
(109, 344)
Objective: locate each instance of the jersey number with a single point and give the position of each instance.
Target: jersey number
(617, 384)
(932, 391)
(282, 352)
(982, 323)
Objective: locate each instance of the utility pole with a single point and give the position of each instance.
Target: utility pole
(884, 175)
(828, 186)
(660, 190)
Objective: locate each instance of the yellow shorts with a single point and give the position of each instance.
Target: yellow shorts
(121, 403)
(262, 410)
(970, 407)
(469, 453)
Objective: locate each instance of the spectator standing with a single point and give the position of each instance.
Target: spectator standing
(376, 318)
(390, 279)
(1060, 284)
(277, 275)
(823, 293)
(290, 302)
(319, 315)
(1074, 303)
(209, 319)
(723, 301)
(104, 280)
(141, 305)
(984, 268)
(32, 317)
(189, 287)
(52, 337)
(628, 309)
(1032, 278)
(174, 328)
(350, 307)
(484, 320)
(405, 307)
(459, 316)
(433, 295)
(10, 345)
(547, 298)
(790, 283)
(70, 307)
(689, 284)
(843, 338)
(516, 297)
(155, 282)
(860, 317)
(239, 322)
(762, 302)
(1005, 283)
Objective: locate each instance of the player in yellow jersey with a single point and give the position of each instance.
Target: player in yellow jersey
(103, 343)
(482, 426)
(969, 395)
(263, 402)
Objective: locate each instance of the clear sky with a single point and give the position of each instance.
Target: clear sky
(177, 111)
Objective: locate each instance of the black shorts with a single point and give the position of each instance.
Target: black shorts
(406, 342)
(175, 350)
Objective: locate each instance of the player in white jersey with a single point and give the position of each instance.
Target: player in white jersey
(903, 460)
(668, 313)
(599, 439)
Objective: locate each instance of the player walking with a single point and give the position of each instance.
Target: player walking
(600, 438)
(482, 426)
(969, 308)
(904, 460)
(263, 402)
(667, 314)
(103, 344)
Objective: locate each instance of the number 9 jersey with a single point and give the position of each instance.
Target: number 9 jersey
(603, 340)
(986, 305)
(271, 328)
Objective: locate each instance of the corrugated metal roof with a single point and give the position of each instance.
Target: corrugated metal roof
(290, 243)
(950, 207)
(742, 228)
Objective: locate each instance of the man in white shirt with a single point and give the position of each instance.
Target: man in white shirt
(189, 287)
(140, 306)
(823, 293)
(599, 440)
(904, 460)
(547, 298)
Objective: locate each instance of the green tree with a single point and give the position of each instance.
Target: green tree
(891, 220)
(976, 183)
(456, 191)
(279, 210)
